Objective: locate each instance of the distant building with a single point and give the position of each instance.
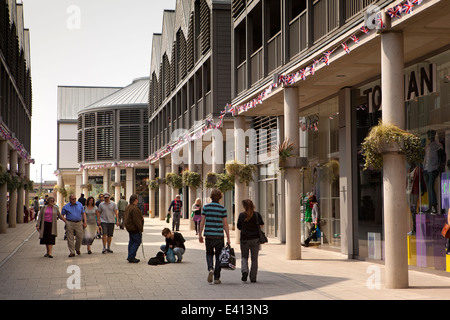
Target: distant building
(113, 143)
(72, 99)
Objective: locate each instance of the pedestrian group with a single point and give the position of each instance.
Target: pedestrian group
(85, 220)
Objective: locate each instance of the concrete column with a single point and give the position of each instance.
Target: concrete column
(27, 192)
(105, 181)
(174, 168)
(395, 205)
(192, 191)
(217, 147)
(162, 190)
(117, 184)
(59, 197)
(348, 195)
(281, 187)
(241, 190)
(129, 183)
(21, 192)
(292, 176)
(151, 193)
(3, 188)
(12, 218)
(85, 190)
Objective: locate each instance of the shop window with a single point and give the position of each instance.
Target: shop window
(319, 140)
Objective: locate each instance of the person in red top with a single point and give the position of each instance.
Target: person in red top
(176, 204)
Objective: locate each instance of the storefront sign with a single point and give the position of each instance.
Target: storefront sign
(421, 84)
(416, 85)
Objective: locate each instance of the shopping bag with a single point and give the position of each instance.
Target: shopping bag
(227, 258)
(170, 256)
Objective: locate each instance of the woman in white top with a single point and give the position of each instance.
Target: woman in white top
(90, 229)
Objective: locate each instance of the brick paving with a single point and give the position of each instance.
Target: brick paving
(25, 274)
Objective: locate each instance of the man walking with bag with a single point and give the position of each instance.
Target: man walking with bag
(214, 222)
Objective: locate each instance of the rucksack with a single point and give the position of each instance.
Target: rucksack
(159, 259)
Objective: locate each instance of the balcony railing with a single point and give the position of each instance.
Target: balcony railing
(297, 34)
(274, 52)
(256, 65)
(241, 77)
(326, 17)
(208, 104)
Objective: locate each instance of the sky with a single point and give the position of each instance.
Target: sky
(83, 43)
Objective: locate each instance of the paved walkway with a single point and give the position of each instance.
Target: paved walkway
(321, 275)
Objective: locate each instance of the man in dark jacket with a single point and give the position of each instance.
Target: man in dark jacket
(134, 223)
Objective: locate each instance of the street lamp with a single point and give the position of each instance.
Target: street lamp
(43, 164)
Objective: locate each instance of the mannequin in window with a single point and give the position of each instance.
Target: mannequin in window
(415, 185)
(434, 154)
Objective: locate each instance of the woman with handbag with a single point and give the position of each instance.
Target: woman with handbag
(249, 223)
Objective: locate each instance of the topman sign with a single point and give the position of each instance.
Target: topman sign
(417, 84)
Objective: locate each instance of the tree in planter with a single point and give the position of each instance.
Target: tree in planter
(192, 179)
(385, 136)
(174, 180)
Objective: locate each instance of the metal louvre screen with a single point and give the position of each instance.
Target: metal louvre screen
(89, 145)
(130, 142)
(105, 143)
(130, 134)
(266, 134)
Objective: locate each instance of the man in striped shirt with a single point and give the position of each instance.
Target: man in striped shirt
(214, 222)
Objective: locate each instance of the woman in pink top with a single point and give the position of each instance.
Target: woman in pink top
(46, 225)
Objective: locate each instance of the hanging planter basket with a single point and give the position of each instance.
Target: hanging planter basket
(387, 138)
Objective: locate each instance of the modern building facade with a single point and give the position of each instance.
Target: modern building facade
(189, 88)
(71, 100)
(113, 143)
(15, 114)
(323, 73)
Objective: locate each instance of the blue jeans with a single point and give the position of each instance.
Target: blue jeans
(177, 251)
(214, 248)
(133, 244)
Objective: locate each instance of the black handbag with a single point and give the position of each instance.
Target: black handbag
(262, 236)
